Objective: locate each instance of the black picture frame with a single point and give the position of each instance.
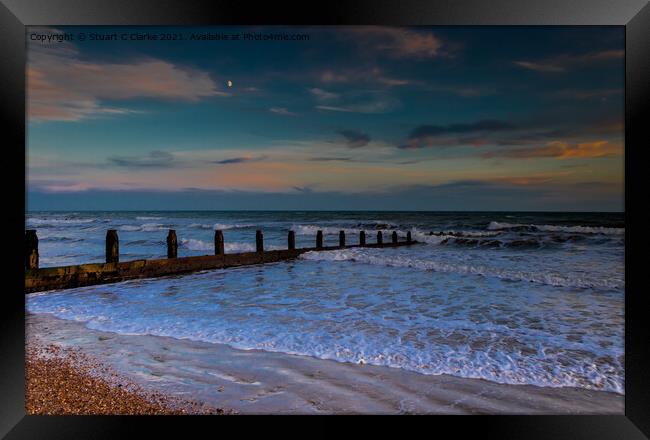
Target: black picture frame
(634, 15)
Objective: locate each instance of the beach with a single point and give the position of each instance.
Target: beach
(259, 382)
(506, 313)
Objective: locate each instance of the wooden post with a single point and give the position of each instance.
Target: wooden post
(291, 240)
(112, 246)
(172, 244)
(408, 237)
(394, 237)
(259, 241)
(31, 249)
(319, 239)
(362, 238)
(380, 237)
(341, 238)
(218, 243)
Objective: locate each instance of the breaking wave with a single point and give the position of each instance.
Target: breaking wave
(219, 226)
(146, 227)
(496, 226)
(334, 230)
(61, 221)
(373, 257)
(200, 245)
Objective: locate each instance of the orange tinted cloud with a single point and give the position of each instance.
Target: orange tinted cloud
(562, 150)
(61, 86)
(524, 181)
(562, 62)
(399, 42)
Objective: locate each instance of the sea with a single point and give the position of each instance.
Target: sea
(508, 297)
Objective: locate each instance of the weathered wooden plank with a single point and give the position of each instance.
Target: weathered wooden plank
(65, 277)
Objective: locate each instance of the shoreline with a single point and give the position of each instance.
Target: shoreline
(260, 382)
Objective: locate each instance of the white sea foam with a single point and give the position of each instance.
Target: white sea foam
(146, 227)
(196, 245)
(200, 245)
(438, 329)
(60, 221)
(426, 237)
(148, 218)
(201, 226)
(377, 258)
(496, 226)
(130, 228)
(218, 226)
(417, 234)
(230, 226)
(334, 230)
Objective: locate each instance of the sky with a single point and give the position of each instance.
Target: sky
(325, 118)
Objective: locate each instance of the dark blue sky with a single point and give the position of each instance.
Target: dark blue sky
(458, 118)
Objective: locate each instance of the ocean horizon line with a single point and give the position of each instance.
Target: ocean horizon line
(327, 210)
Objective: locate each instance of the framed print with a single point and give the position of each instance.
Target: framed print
(377, 209)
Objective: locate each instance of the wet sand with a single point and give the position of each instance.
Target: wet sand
(259, 382)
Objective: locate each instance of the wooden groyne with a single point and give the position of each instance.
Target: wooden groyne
(113, 271)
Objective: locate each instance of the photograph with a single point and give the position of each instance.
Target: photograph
(310, 219)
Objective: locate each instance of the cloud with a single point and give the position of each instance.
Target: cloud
(368, 104)
(332, 77)
(358, 75)
(562, 63)
(540, 67)
(458, 90)
(439, 135)
(473, 92)
(155, 159)
(562, 150)
(330, 159)
(464, 91)
(522, 141)
(303, 189)
(602, 55)
(397, 42)
(61, 86)
(282, 111)
(355, 139)
(57, 186)
(484, 125)
(236, 160)
(323, 95)
(525, 180)
(588, 94)
(393, 81)
(381, 77)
